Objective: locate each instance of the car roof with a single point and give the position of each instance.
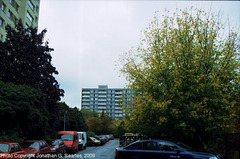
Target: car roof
(67, 132)
(8, 143)
(147, 140)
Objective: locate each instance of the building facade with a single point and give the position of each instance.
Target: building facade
(108, 100)
(11, 11)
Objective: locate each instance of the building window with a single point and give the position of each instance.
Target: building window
(37, 9)
(9, 14)
(29, 17)
(3, 7)
(30, 5)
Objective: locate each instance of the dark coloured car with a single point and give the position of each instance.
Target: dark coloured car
(103, 140)
(111, 136)
(35, 148)
(105, 136)
(159, 149)
(11, 150)
(57, 146)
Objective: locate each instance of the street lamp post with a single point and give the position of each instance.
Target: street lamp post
(64, 119)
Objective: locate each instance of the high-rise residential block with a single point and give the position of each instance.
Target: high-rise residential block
(108, 100)
(12, 11)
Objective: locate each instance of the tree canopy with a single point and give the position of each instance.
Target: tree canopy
(73, 120)
(185, 74)
(23, 112)
(25, 60)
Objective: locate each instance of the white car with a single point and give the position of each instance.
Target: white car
(82, 139)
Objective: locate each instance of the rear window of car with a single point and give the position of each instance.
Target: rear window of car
(4, 147)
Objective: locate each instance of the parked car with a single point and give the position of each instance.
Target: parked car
(154, 149)
(82, 139)
(103, 140)
(111, 137)
(10, 150)
(70, 139)
(57, 146)
(91, 141)
(34, 148)
(106, 136)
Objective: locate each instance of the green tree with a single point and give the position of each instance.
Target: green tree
(25, 60)
(74, 118)
(87, 113)
(98, 124)
(23, 112)
(185, 74)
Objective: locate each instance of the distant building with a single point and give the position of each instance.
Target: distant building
(108, 100)
(13, 10)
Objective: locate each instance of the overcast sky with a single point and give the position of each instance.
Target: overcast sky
(88, 37)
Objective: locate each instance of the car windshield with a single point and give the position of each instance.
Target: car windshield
(52, 142)
(4, 147)
(79, 136)
(31, 145)
(92, 138)
(55, 143)
(66, 137)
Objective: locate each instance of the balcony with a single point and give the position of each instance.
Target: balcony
(102, 96)
(99, 103)
(102, 92)
(104, 108)
(85, 92)
(102, 100)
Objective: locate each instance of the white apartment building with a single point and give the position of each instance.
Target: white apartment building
(108, 100)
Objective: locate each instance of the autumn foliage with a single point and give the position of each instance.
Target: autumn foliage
(185, 74)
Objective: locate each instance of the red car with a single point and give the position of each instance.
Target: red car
(36, 148)
(9, 150)
(70, 139)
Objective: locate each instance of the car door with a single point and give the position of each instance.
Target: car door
(61, 146)
(168, 150)
(150, 150)
(44, 148)
(13, 151)
(18, 151)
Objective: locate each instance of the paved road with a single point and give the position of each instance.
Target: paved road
(106, 151)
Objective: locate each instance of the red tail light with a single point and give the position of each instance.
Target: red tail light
(116, 152)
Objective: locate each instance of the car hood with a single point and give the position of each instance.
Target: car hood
(53, 146)
(30, 151)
